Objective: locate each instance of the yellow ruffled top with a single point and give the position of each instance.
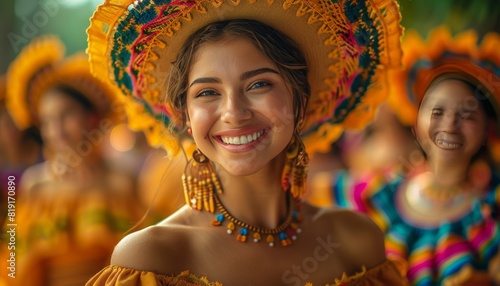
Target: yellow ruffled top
(64, 234)
(382, 275)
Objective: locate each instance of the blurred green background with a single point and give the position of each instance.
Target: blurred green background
(22, 20)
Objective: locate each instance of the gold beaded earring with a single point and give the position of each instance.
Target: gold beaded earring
(199, 182)
(294, 176)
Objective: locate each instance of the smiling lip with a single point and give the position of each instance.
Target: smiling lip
(241, 141)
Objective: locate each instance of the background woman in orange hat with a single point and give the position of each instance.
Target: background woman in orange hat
(72, 208)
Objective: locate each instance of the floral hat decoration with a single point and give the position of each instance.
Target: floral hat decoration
(41, 66)
(478, 60)
(348, 46)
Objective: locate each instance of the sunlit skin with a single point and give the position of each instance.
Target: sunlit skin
(62, 121)
(451, 127)
(228, 98)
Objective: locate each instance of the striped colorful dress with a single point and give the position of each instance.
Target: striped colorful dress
(427, 255)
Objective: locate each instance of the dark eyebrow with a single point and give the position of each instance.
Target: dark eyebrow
(245, 75)
(205, 80)
(252, 73)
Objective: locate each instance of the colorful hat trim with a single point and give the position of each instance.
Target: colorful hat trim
(348, 46)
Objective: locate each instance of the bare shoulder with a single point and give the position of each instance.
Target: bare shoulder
(146, 249)
(361, 240)
(160, 248)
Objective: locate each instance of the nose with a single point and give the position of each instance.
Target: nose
(451, 122)
(235, 109)
(52, 130)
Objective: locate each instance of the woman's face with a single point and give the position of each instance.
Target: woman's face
(63, 121)
(451, 123)
(239, 107)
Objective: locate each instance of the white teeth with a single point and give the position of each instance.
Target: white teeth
(245, 139)
(447, 145)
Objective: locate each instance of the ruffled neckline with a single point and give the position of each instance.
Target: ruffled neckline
(385, 273)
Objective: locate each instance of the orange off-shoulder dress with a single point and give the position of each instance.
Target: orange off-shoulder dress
(382, 275)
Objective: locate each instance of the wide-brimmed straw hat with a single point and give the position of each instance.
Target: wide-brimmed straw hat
(41, 66)
(348, 46)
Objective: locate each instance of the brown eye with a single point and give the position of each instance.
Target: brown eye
(206, 92)
(259, 84)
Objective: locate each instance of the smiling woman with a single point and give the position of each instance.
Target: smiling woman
(244, 80)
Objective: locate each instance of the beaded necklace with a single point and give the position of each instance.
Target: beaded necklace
(421, 203)
(443, 194)
(430, 190)
(286, 232)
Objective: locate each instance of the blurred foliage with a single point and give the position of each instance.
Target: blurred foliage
(70, 22)
(458, 15)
